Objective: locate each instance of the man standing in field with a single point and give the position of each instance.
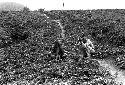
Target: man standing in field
(86, 48)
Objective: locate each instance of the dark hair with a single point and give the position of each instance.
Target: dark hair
(84, 40)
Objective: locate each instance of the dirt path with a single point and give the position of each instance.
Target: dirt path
(118, 75)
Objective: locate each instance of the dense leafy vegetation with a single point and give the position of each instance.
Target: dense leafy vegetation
(30, 45)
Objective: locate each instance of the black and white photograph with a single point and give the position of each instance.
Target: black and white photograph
(62, 42)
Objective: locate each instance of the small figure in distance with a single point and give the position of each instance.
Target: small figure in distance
(86, 42)
(57, 50)
(89, 46)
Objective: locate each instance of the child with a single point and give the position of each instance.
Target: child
(86, 47)
(89, 46)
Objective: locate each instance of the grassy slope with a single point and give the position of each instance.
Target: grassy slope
(92, 20)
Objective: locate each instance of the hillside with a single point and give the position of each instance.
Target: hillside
(10, 6)
(45, 46)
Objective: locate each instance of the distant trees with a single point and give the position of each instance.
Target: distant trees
(41, 11)
(26, 10)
